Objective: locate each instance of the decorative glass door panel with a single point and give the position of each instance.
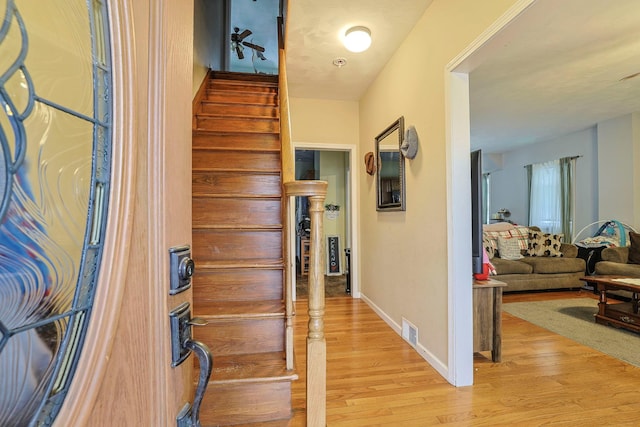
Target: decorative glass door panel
(55, 145)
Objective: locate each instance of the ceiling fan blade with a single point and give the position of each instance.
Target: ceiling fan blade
(254, 46)
(239, 52)
(244, 34)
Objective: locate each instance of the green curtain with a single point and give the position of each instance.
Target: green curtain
(485, 197)
(529, 169)
(566, 194)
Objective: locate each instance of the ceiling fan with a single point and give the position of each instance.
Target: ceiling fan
(237, 43)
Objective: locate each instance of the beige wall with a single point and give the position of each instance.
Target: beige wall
(403, 255)
(324, 121)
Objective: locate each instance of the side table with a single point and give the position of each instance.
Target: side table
(487, 317)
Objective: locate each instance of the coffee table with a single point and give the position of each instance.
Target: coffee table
(621, 315)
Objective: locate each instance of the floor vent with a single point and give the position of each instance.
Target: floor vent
(409, 332)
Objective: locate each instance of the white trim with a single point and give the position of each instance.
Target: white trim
(436, 363)
(354, 238)
(458, 144)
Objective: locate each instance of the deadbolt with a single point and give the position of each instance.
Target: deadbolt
(181, 269)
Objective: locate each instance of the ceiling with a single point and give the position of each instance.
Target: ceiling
(314, 33)
(558, 68)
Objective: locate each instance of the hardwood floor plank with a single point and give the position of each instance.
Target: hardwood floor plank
(374, 378)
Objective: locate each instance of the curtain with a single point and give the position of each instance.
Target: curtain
(567, 168)
(545, 207)
(529, 169)
(486, 178)
(551, 196)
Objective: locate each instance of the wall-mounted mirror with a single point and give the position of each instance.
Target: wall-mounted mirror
(390, 161)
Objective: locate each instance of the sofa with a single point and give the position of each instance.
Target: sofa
(535, 268)
(615, 262)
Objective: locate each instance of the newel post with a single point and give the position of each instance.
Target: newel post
(316, 344)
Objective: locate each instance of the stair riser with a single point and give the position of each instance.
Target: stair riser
(241, 336)
(231, 124)
(219, 245)
(263, 213)
(244, 77)
(234, 285)
(257, 141)
(237, 183)
(229, 404)
(230, 110)
(225, 85)
(233, 160)
(242, 97)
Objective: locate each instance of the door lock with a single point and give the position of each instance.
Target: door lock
(181, 268)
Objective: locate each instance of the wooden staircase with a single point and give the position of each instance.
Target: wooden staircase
(238, 241)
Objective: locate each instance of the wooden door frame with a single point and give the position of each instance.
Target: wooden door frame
(354, 216)
(124, 375)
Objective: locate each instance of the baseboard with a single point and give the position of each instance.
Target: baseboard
(429, 357)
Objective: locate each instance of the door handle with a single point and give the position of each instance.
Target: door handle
(182, 345)
(192, 415)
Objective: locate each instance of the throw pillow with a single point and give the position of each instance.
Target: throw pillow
(509, 248)
(634, 249)
(522, 234)
(544, 244)
(489, 246)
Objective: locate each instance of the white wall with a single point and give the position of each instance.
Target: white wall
(607, 173)
(619, 169)
(509, 183)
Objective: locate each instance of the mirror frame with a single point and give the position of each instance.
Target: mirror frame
(398, 125)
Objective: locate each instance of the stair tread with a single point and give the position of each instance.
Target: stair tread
(238, 309)
(249, 264)
(236, 195)
(257, 367)
(236, 116)
(240, 227)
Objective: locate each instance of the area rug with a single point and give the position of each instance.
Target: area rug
(334, 286)
(573, 318)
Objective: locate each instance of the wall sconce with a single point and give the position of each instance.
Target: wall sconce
(357, 39)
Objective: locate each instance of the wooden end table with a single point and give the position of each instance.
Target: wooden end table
(621, 315)
(487, 317)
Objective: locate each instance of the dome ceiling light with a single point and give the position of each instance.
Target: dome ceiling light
(357, 39)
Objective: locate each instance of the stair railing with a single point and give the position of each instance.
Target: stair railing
(316, 191)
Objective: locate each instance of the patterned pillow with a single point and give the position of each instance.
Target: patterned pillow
(544, 244)
(489, 246)
(490, 239)
(509, 248)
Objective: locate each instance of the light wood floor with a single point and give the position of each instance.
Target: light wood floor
(374, 378)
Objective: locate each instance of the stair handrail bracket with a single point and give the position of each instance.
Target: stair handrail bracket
(316, 191)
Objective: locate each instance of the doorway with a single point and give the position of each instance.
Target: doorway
(332, 164)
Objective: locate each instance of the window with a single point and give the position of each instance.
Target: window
(551, 196)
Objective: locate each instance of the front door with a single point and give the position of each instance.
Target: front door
(153, 45)
(123, 363)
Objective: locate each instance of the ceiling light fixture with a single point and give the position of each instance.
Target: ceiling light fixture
(357, 39)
